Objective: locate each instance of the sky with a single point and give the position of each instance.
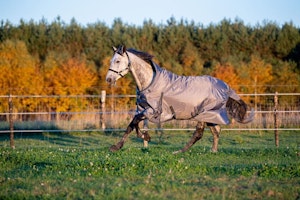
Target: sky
(135, 12)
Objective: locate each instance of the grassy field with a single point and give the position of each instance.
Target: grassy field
(79, 166)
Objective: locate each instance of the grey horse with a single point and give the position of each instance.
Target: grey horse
(163, 96)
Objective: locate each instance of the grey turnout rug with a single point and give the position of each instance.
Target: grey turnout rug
(170, 96)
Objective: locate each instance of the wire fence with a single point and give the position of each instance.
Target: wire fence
(37, 113)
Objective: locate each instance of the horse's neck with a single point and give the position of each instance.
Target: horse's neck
(142, 72)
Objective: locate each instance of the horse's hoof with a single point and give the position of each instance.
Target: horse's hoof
(176, 152)
(145, 144)
(114, 148)
(214, 150)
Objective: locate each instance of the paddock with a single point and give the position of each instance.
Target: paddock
(65, 154)
(104, 112)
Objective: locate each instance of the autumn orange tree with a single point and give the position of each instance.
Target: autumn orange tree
(19, 75)
(255, 76)
(228, 74)
(63, 76)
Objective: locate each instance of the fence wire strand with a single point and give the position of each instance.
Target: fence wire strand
(82, 113)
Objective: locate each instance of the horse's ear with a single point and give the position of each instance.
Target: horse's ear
(115, 49)
(121, 50)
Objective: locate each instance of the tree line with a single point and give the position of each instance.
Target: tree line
(59, 58)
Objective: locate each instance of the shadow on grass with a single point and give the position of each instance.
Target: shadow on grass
(43, 138)
(58, 137)
(40, 133)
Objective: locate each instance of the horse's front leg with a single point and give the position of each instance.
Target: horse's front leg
(196, 136)
(133, 125)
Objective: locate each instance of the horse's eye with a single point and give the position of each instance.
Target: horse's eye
(117, 61)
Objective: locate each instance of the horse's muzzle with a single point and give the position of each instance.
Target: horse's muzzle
(110, 81)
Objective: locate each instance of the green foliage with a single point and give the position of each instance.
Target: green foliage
(36, 56)
(179, 46)
(79, 166)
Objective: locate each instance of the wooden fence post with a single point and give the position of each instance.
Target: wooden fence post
(102, 109)
(11, 122)
(276, 120)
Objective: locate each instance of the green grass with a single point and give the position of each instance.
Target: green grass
(79, 166)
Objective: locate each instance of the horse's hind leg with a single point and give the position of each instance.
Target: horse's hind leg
(196, 136)
(215, 130)
(145, 135)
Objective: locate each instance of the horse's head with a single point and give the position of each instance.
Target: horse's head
(119, 65)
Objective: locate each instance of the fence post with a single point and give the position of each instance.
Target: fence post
(11, 122)
(102, 111)
(276, 120)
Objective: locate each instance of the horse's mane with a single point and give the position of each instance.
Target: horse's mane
(143, 55)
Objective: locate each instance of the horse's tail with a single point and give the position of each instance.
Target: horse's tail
(237, 109)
